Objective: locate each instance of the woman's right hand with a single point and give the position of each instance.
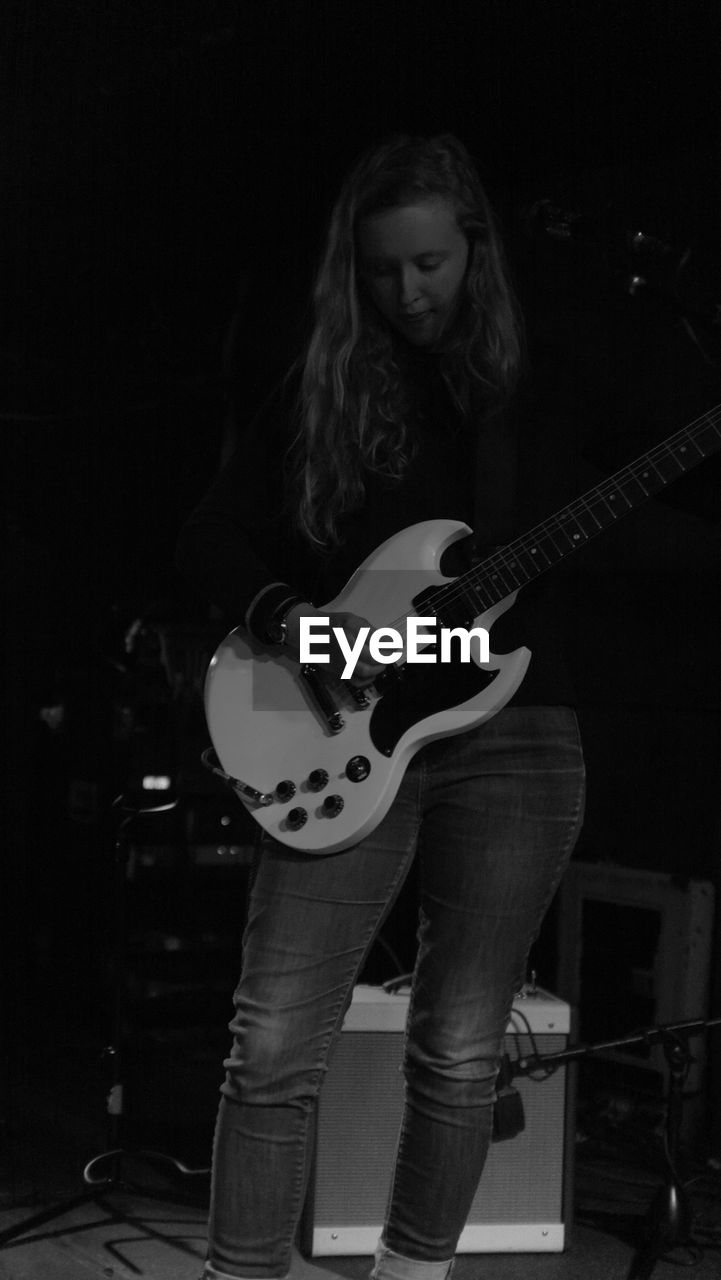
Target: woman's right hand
(365, 670)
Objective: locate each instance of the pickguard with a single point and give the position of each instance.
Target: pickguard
(415, 691)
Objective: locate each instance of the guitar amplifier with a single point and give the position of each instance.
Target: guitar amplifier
(524, 1197)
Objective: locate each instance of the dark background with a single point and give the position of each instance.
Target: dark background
(167, 170)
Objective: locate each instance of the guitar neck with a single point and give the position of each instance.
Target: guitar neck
(549, 542)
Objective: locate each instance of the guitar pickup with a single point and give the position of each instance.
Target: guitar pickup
(320, 694)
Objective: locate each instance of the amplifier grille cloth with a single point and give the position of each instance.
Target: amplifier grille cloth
(359, 1118)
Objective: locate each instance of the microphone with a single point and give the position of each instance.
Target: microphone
(548, 218)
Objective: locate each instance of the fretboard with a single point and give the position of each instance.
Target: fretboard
(549, 542)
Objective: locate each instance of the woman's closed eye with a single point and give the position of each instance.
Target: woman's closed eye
(386, 270)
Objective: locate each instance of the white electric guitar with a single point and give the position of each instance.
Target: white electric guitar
(317, 762)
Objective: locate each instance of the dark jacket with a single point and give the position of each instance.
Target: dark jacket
(240, 538)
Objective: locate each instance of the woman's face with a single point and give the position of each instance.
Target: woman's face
(413, 260)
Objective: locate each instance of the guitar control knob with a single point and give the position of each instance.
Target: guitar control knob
(358, 768)
(297, 818)
(317, 779)
(285, 790)
(332, 806)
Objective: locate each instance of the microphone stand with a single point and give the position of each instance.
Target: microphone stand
(669, 1217)
(104, 1172)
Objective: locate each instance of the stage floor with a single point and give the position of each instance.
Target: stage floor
(52, 1121)
(135, 1238)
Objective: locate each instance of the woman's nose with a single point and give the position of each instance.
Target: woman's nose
(408, 286)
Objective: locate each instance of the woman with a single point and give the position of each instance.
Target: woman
(398, 413)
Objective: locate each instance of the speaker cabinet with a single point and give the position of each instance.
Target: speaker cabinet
(520, 1205)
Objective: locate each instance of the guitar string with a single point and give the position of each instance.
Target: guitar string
(526, 543)
(507, 557)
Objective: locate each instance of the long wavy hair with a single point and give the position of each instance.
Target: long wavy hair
(352, 409)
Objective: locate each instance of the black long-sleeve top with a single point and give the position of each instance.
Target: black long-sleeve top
(240, 538)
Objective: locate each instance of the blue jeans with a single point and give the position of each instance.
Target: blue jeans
(492, 816)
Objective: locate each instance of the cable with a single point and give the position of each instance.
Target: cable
(546, 1072)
